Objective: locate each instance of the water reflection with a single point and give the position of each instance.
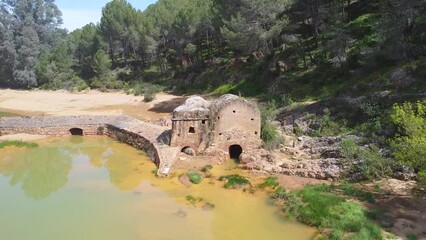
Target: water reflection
(97, 169)
(40, 171)
(126, 175)
(124, 170)
(44, 170)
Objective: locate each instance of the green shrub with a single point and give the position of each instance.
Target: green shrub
(366, 161)
(411, 236)
(270, 182)
(148, 97)
(317, 206)
(280, 194)
(82, 86)
(298, 131)
(349, 149)
(290, 200)
(96, 83)
(422, 178)
(194, 177)
(18, 144)
(235, 181)
(193, 200)
(207, 168)
(358, 193)
(268, 132)
(148, 90)
(114, 84)
(273, 144)
(409, 146)
(326, 126)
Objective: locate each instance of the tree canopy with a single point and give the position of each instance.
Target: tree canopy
(190, 43)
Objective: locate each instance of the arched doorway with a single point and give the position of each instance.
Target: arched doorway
(188, 151)
(235, 151)
(76, 131)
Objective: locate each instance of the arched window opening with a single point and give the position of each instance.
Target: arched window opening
(235, 151)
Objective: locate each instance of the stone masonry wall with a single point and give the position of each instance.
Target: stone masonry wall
(135, 140)
(144, 136)
(182, 136)
(54, 131)
(237, 123)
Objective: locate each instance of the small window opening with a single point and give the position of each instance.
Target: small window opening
(191, 130)
(234, 111)
(252, 119)
(218, 117)
(256, 133)
(203, 122)
(220, 134)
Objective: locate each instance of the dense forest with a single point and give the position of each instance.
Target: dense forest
(296, 48)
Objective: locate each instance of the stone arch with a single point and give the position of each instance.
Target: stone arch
(76, 131)
(188, 150)
(235, 151)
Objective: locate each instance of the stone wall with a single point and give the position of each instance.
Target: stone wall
(236, 136)
(190, 133)
(98, 129)
(136, 133)
(212, 127)
(238, 122)
(135, 140)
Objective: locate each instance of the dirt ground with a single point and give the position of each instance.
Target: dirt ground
(404, 209)
(60, 103)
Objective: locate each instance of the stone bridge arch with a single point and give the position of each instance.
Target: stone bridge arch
(76, 131)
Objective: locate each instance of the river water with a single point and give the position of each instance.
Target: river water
(94, 188)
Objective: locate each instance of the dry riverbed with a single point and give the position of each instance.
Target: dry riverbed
(63, 103)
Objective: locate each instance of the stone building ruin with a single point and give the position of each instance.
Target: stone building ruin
(230, 124)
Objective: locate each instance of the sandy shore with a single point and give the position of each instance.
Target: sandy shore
(63, 103)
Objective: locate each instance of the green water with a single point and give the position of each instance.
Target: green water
(8, 114)
(98, 189)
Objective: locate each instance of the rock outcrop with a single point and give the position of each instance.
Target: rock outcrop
(263, 160)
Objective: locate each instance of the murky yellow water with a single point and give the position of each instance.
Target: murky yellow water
(97, 189)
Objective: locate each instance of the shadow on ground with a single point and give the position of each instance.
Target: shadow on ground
(167, 106)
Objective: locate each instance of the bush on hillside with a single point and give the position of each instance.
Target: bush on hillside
(367, 161)
(409, 145)
(325, 125)
(269, 133)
